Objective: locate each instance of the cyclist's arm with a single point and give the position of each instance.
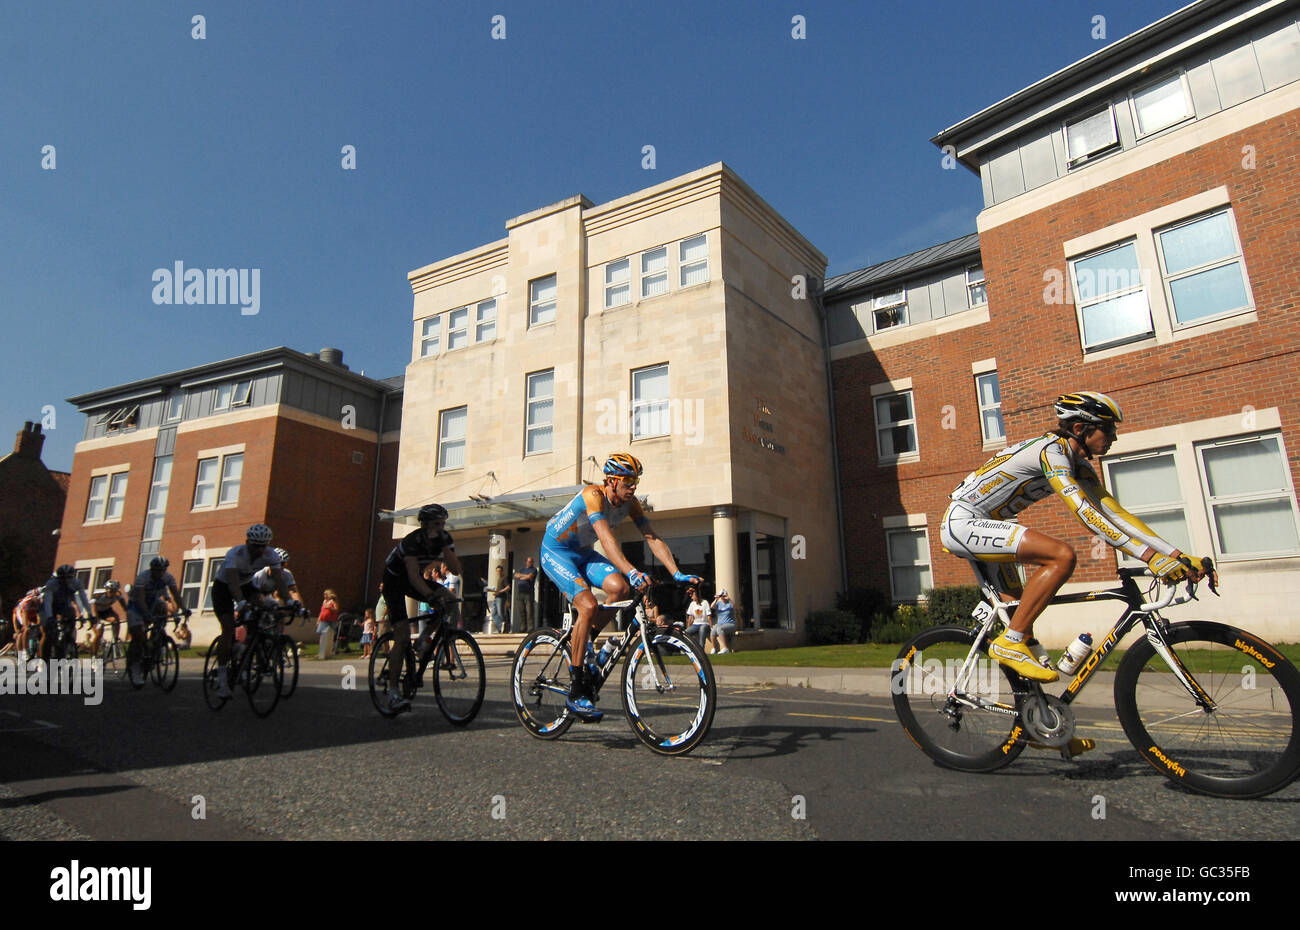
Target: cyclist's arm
(1078, 486)
(594, 499)
(415, 578)
(85, 601)
(47, 605)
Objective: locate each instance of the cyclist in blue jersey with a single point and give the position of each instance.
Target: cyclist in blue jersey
(62, 594)
(571, 562)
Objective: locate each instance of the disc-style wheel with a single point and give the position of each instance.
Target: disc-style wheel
(1243, 745)
(669, 693)
(459, 677)
(952, 733)
(539, 684)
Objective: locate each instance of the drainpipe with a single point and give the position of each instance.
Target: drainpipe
(374, 491)
(835, 441)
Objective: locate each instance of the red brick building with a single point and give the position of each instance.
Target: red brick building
(184, 463)
(1139, 237)
(31, 509)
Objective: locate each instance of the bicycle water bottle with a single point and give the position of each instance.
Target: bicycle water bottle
(592, 663)
(606, 651)
(1075, 654)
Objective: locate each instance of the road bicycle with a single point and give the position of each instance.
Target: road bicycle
(669, 689)
(1209, 706)
(112, 650)
(459, 676)
(257, 665)
(159, 657)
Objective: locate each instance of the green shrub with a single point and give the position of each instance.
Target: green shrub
(952, 604)
(832, 627)
(905, 622)
(865, 604)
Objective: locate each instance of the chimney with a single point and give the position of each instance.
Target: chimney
(29, 441)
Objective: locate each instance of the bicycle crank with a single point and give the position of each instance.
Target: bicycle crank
(1048, 719)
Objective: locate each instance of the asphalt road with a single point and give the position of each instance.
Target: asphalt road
(779, 764)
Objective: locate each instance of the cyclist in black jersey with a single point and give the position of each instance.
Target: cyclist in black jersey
(404, 577)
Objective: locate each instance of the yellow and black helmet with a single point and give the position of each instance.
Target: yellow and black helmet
(1088, 407)
(622, 465)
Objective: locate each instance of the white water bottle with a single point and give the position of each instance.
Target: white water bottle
(1075, 654)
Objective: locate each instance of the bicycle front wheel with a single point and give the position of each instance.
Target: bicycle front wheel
(262, 674)
(289, 648)
(167, 664)
(459, 677)
(669, 693)
(954, 734)
(113, 656)
(210, 666)
(539, 684)
(1247, 745)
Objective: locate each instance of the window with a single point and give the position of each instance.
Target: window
(909, 563)
(243, 392)
(451, 438)
(989, 396)
(162, 476)
(693, 260)
(430, 331)
(102, 576)
(650, 409)
(458, 328)
(654, 272)
(205, 483)
(895, 426)
(1147, 486)
(98, 498)
(890, 310)
(234, 394)
(618, 283)
(1111, 297)
(1090, 136)
(1251, 503)
(540, 413)
(976, 294)
(541, 301)
(123, 418)
(213, 565)
(1161, 105)
(232, 468)
(107, 497)
(486, 323)
(191, 583)
(175, 406)
(1201, 264)
(83, 575)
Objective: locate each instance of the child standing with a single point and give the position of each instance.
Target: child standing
(368, 632)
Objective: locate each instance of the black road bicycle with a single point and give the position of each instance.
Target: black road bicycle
(257, 665)
(459, 675)
(1209, 706)
(669, 689)
(159, 657)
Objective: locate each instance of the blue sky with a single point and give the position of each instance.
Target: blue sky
(226, 151)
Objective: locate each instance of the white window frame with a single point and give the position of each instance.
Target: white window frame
(972, 283)
(430, 336)
(537, 308)
(225, 481)
(683, 266)
(213, 484)
(614, 284)
(457, 328)
(1189, 110)
(123, 418)
(914, 454)
(983, 407)
(1236, 258)
(210, 572)
(220, 481)
(891, 302)
(179, 413)
(158, 494)
(1081, 303)
(889, 558)
(194, 587)
(485, 316)
(532, 405)
(647, 278)
(652, 404)
(101, 499)
(1286, 492)
(1177, 502)
(1105, 148)
(447, 443)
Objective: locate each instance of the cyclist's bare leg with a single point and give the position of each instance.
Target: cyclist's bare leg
(591, 618)
(1056, 563)
(397, 657)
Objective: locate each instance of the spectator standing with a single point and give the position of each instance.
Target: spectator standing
(382, 625)
(368, 630)
(452, 582)
(328, 622)
(725, 625)
(500, 600)
(698, 613)
(524, 581)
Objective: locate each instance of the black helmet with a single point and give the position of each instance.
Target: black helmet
(158, 563)
(432, 512)
(65, 571)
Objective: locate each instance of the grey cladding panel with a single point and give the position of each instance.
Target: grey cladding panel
(918, 302)
(1008, 181)
(954, 292)
(843, 324)
(1205, 95)
(1038, 160)
(1237, 75)
(938, 300)
(1278, 53)
(166, 444)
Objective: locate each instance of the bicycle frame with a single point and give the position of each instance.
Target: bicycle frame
(622, 647)
(1138, 610)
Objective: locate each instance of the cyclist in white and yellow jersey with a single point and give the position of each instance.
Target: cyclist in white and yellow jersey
(980, 523)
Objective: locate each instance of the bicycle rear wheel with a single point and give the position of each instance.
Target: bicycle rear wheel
(459, 677)
(262, 674)
(968, 739)
(539, 684)
(210, 666)
(289, 648)
(670, 694)
(167, 664)
(1248, 746)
